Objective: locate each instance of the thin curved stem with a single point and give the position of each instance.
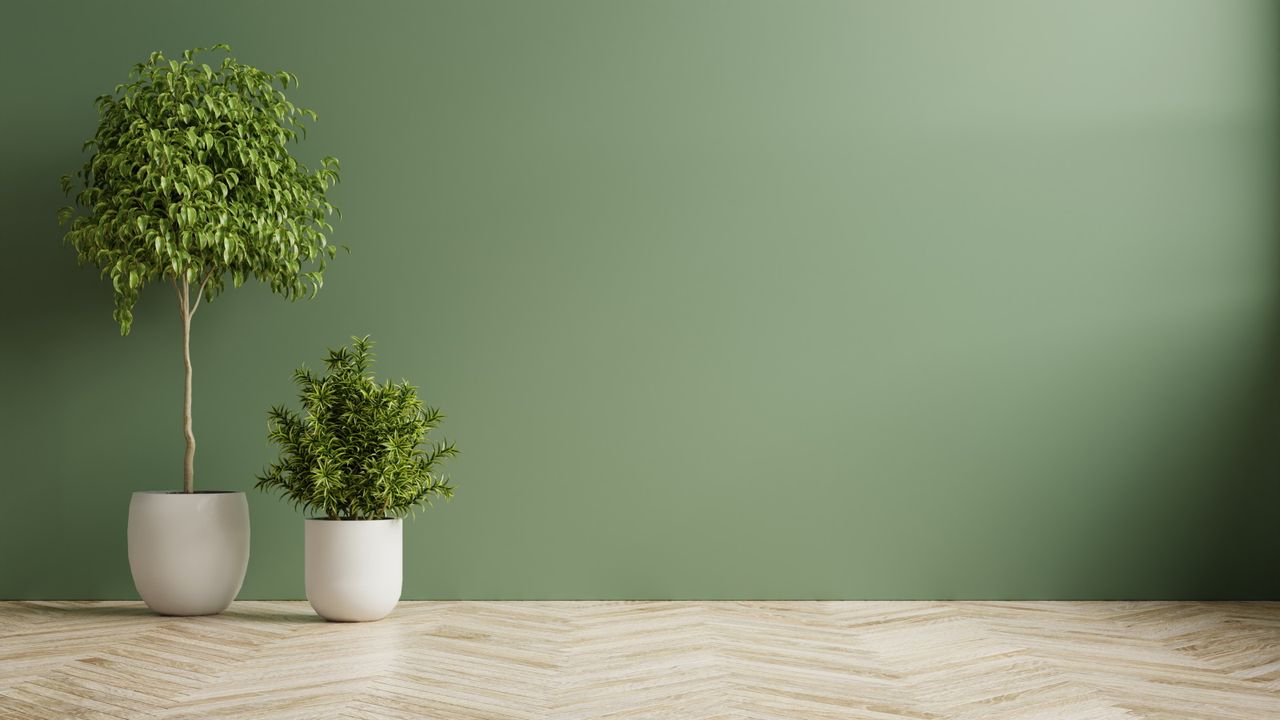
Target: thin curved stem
(189, 457)
(200, 292)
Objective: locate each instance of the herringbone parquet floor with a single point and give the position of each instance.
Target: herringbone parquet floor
(668, 660)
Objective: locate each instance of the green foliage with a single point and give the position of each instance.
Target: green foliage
(191, 180)
(358, 453)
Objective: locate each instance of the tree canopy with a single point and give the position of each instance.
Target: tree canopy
(191, 180)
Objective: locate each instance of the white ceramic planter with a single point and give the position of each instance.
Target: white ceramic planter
(354, 568)
(188, 553)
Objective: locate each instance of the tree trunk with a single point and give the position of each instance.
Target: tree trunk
(189, 459)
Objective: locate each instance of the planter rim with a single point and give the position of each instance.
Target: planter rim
(358, 520)
(197, 492)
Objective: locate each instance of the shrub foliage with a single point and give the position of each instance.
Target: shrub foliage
(359, 450)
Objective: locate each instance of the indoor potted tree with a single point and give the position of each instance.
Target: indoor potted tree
(191, 182)
(360, 459)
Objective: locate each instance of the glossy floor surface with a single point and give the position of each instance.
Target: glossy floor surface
(670, 660)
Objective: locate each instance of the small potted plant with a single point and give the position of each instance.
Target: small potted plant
(359, 458)
(191, 184)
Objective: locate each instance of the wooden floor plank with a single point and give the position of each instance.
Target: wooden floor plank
(633, 660)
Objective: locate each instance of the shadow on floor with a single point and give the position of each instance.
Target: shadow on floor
(257, 612)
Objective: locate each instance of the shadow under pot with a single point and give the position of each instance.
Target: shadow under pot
(188, 551)
(354, 568)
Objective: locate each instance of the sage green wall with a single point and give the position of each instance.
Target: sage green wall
(723, 299)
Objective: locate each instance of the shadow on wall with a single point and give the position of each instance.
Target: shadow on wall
(1241, 561)
(54, 310)
(1244, 539)
(1246, 536)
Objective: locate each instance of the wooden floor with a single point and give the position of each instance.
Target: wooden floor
(669, 660)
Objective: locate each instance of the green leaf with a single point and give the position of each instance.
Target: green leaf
(176, 187)
(359, 449)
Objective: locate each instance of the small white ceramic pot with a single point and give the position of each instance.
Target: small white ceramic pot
(354, 568)
(188, 553)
